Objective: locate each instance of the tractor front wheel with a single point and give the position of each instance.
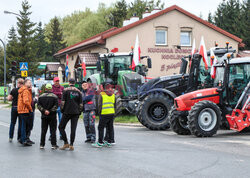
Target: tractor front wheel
(178, 122)
(154, 111)
(204, 119)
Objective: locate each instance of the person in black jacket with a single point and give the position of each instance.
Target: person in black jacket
(71, 107)
(47, 105)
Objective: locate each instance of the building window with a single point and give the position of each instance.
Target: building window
(161, 37)
(185, 38)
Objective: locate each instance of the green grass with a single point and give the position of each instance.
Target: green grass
(125, 118)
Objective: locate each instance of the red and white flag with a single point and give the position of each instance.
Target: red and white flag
(137, 53)
(193, 49)
(84, 67)
(203, 52)
(214, 60)
(192, 53)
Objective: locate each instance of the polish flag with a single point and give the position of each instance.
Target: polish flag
(214, 60)
(137, 53)
(84, 67)
(203, 52)
(192, 53)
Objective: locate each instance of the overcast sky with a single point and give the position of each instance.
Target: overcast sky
(44, 10)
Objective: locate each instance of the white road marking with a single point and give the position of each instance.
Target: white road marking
(4, 124)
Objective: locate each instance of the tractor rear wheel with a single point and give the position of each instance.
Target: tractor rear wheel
(178, 123)
(154, 110)
(204, 119)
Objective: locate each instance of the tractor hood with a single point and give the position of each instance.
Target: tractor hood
(186, 101)
(167, 82)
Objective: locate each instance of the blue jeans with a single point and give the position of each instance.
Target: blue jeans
(24, 119)
(59, 117)
(59, 114)
(14, 116)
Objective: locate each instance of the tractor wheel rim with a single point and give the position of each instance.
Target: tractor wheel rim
(158, 111)
(207, 119)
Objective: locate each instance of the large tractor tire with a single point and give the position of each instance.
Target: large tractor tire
(178, 123)
(204, 119)
(118, 104)
(154, 110)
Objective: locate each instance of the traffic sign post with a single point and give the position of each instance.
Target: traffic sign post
(24, 69)
(24, 73)
(23, 66)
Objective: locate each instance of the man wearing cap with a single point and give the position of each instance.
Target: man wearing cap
(89, 107)
(57, 89)
(47, 105)
(71, 107)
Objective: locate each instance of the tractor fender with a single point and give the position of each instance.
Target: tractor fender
(161, 90)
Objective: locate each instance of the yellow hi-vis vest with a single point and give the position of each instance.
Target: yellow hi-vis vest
(108, 103)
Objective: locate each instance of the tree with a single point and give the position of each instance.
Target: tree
(118, 14)
(1, 65)
(138, 7)
(210, 18)
(245, 16)
(40, 45)
(25, 29)
(55, 37)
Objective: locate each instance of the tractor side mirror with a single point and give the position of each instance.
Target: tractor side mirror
(149, 62)
(184, 64)
(98, 65)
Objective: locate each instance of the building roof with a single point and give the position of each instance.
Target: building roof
(245, 53)
(54, 67)
(94, 39)
(114, 31)
(90, 59)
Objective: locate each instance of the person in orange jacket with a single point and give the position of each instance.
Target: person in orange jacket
(24, 109)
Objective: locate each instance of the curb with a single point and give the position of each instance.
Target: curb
(128, 124)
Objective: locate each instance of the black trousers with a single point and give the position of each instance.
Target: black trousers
(65, 119)
(30, 123)
(108, 122)
(51, 122)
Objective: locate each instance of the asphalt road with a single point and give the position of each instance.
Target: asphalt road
(139, 152)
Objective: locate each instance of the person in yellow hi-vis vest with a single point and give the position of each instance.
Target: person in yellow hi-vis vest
(106, 108)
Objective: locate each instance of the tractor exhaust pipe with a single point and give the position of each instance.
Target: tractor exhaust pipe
(243, 95)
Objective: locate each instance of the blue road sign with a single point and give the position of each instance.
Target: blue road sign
(23, 66)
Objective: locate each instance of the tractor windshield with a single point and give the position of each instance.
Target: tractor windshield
(118, 63)
(204, 77)
(239, 76)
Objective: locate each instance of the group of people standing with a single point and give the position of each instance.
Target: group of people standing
(68, 103)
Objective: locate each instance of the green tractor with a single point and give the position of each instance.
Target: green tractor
(115, 68)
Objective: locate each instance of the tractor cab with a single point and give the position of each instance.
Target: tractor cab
(116, 68)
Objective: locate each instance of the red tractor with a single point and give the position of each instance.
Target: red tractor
(201, 112)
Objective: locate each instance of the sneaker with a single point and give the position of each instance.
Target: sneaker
(54, 147)
(64, 147)
(10, 140)
(88, 141)
(30, 142)
(113, 143)
(27, 144)
(107, 144)
(71, 147)
(97, 145)
(41, 147)
(92, 141)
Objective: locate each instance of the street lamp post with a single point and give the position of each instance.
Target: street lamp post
(4, 70)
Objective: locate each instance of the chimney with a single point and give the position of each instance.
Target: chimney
(125, 22)
(133, 19)
(145, 14)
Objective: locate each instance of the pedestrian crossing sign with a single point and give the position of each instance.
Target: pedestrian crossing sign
(23, 66)
(24, 73)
